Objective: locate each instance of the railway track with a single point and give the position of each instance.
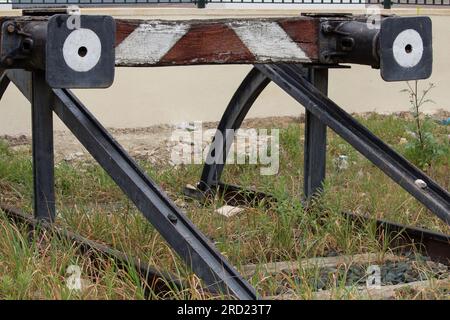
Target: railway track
(153, 281)
(399, 268)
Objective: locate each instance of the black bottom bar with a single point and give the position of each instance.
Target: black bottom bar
(434, 245)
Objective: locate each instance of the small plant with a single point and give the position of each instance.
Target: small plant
(422, 147)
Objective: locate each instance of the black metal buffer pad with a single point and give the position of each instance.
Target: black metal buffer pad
(406, 48)
(80, 51)
(400, 46)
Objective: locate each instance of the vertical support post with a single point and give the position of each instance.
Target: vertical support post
(315, 139)
(42, 145)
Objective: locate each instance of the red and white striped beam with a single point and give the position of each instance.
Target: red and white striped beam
(400, 46)
(162, 43)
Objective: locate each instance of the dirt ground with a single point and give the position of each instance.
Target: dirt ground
(154, 143)
(150, 143)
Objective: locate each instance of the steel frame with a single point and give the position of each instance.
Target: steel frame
(192, 246)
(241, 102)
(305, 83)
(321, 111)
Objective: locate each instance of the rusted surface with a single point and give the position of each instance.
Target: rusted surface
(305, 34)
(214, 43)
(219, 41)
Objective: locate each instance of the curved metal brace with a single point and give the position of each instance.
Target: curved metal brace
(241, 102)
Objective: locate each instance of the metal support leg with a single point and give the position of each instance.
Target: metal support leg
(315, 139)
(43, 165)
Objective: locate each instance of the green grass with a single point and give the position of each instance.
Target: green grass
(89, 203)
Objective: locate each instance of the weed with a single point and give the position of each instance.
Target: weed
(423, 148)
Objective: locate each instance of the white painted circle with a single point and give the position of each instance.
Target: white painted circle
(89, 43)
(408, 48)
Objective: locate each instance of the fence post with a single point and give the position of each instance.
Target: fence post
(201, 4)
(387, 4)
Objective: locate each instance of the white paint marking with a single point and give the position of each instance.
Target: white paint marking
(229, 211)
(91, 50)
(268, 41)
(408, 48)
(148, 43)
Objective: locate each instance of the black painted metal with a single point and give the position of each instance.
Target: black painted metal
(42, 147)
(433, 244)
(22, 80)
(390, 68)
(193, 247)
(289, 78)
(241, 102)
(315, 139)
(4, 83)
(59, 74)
(99, 3)
(238, 107)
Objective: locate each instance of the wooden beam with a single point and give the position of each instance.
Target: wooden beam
(313, 263)
(219, 41)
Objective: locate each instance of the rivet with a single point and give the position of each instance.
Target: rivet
(11, 28)
(420, 183)
(172, 218)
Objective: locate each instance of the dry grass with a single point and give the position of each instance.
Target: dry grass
(89, 203)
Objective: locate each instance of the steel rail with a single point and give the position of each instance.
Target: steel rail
(401, 237)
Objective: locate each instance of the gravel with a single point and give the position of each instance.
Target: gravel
(392, 273)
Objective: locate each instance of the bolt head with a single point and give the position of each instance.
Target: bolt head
(327, 28)
(11, 28)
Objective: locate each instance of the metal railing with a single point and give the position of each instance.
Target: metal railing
(202, 3)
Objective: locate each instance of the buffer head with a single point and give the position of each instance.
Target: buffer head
(406, 51)
(80, 51)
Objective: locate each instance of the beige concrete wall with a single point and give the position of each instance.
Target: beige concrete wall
(146, 96)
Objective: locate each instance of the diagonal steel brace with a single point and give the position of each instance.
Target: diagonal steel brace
(290, 78)
(192, 246)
